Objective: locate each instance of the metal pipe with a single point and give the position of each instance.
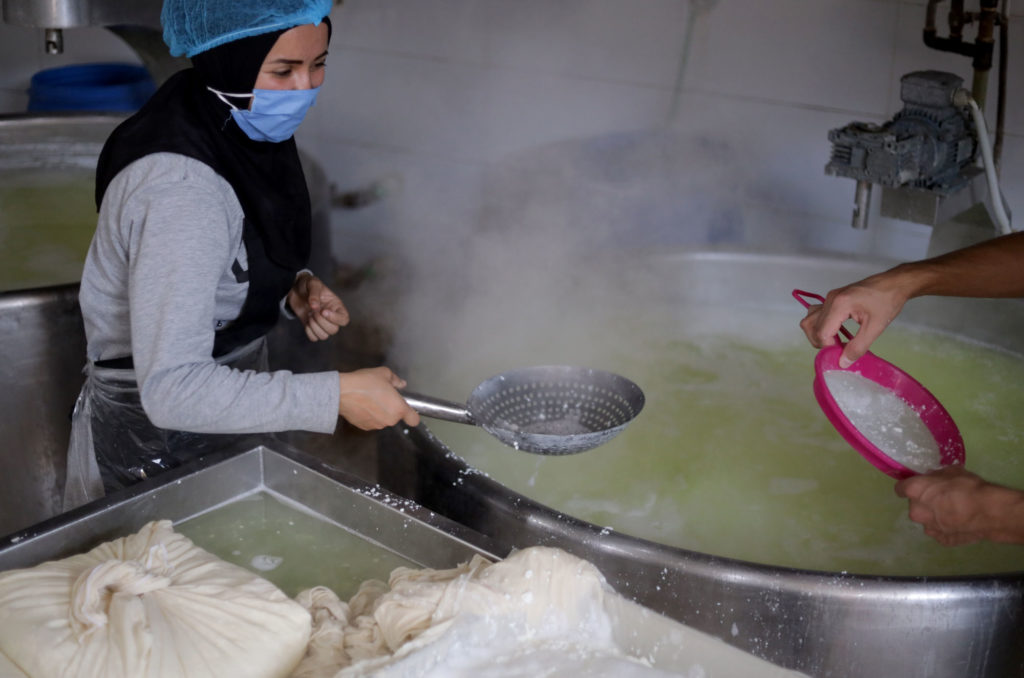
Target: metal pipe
(984, 48)
(984, 42)
(929, 15)
(981, 49)
(1004, 41)
(979, 87)
(954, 42)
(53, 41)
(861, 203)
(957, 20)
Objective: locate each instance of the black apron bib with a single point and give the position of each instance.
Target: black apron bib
(268, 285)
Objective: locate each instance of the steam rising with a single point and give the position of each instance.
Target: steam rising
(549, 256)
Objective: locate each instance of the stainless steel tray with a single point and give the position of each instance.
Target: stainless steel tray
(398, 525)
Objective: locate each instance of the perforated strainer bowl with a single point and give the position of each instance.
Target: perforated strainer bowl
(550, 409)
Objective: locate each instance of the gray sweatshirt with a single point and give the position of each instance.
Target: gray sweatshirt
(157, 283)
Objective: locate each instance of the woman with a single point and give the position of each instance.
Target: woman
(201, 243)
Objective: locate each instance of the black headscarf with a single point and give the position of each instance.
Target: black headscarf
(184, 117)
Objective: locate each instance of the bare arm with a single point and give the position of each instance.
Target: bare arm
(994, 268)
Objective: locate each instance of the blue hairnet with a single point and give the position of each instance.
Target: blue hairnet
(194, 26)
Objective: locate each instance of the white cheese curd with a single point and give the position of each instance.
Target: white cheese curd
(885, 419)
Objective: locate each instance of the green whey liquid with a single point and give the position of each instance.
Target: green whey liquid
(47, 219)
(292, 548)
(732, 456)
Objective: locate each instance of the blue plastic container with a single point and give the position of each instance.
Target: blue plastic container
(110, 87)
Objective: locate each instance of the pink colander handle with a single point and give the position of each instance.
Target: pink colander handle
(799, 296)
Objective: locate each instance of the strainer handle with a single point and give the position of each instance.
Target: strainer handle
(799, 296)
(439, 408)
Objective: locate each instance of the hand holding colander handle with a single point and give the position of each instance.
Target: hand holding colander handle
(799, 296)
(439, 408)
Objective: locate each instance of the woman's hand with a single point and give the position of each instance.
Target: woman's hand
(318, 308)
(957, 507)
(370, 399)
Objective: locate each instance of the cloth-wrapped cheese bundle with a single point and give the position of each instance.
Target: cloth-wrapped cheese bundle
(151, 604)
(539, 612)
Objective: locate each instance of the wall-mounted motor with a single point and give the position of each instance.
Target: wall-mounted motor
(928, 145)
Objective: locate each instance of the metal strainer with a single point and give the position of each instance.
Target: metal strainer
(551, 409)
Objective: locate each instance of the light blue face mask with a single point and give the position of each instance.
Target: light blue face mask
(275, 114)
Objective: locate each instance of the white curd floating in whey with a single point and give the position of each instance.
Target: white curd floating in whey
(885, 419)
(732, 455)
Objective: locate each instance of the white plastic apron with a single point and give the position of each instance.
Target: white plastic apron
(131, 448)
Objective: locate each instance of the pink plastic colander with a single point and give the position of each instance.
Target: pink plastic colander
(933, 415)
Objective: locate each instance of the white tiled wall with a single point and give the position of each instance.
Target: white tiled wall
(647, 122)
(828, 53)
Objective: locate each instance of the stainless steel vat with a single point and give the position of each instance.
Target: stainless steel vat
(43, 344)
(823, 623)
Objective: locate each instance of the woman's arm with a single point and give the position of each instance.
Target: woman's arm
(182, 229)
(181, 226)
